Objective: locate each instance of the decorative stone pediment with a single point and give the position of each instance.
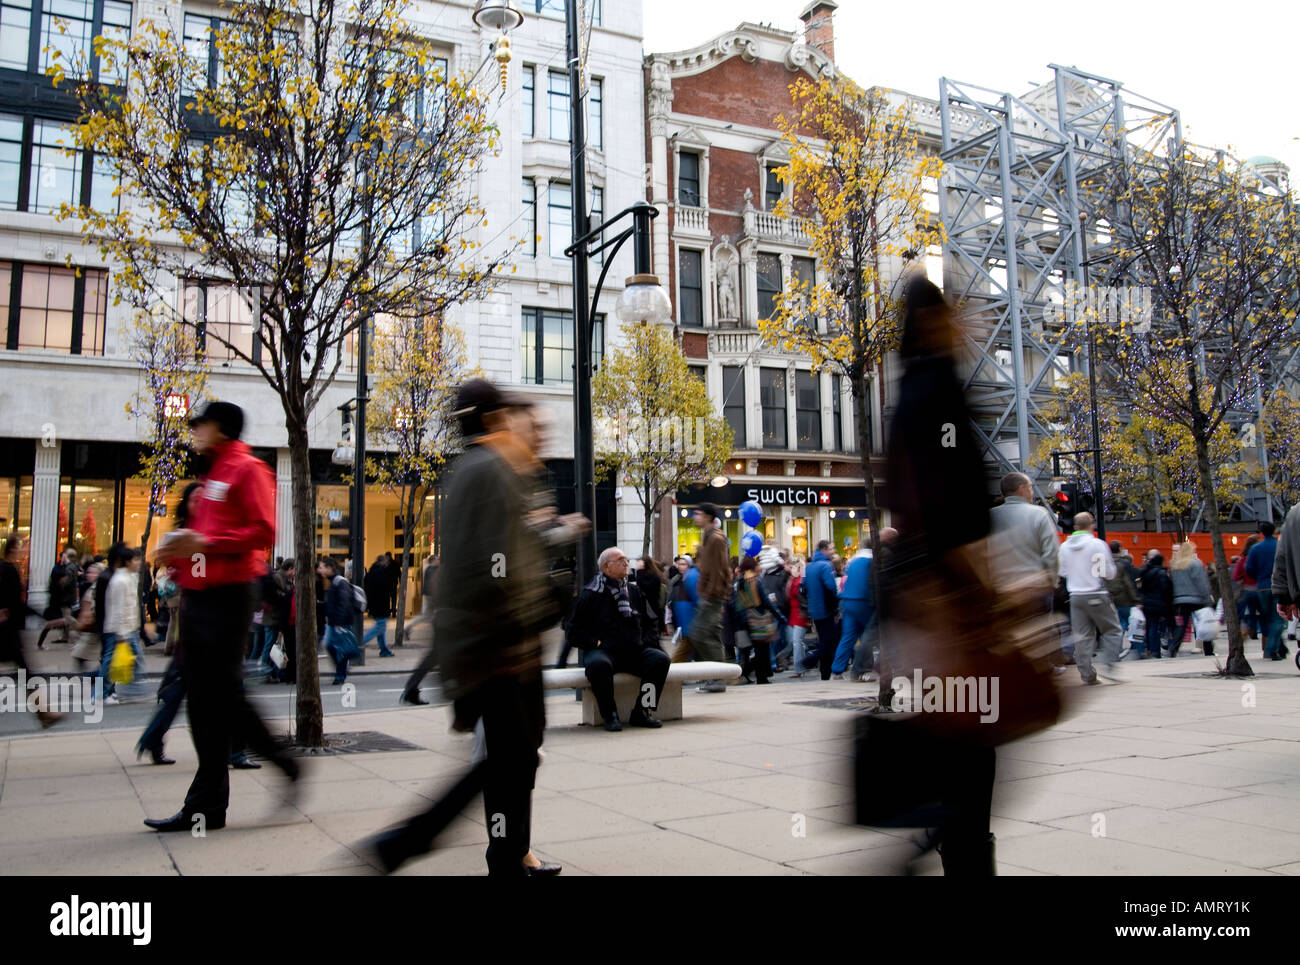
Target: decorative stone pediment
(750, 42)
(691, 136)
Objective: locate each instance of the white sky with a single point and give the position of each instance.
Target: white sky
(1230, 69)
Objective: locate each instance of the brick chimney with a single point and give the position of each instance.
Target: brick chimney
(818, 30)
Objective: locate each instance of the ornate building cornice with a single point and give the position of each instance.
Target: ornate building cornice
(750, 42)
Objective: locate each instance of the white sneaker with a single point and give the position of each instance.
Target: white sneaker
(112, 700)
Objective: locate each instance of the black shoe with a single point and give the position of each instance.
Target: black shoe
(412, 697)
(180, 821)
(612, 723)
(391, 849)
(969, 859)
(156, 753)
(240, 762)
(643, 718)
(544, 870)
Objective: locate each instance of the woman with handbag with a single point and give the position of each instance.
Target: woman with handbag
(936, 769)
(756, 623)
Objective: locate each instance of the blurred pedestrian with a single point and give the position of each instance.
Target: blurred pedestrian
(218, 556)
(13, 613)
(494, 600)
(379, 590)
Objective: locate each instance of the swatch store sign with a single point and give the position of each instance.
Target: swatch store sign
(769, 496)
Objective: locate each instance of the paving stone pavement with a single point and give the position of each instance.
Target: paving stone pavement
(1156, 775)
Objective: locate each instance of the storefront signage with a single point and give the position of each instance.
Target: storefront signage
(773, 494)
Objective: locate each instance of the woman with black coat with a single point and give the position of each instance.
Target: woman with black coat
(1157, 590)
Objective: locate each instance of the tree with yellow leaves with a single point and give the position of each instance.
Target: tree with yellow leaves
(1281, 425)
(317, 158)
(1148, 463)
(1221, 259)
(418, 364)
(856, 177)
(655, 423)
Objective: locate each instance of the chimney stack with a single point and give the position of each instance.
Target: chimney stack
(818, 30)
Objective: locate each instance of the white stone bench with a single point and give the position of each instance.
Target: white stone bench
(626, 687)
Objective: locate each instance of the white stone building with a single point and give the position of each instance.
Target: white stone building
(68, 449)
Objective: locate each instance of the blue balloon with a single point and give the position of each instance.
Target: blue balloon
(751, 513)
(751, 543)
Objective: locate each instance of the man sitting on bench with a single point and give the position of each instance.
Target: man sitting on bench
(613, 626)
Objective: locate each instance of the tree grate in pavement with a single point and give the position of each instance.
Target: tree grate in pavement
(1203, 674)
(839, 703)
(356, 742)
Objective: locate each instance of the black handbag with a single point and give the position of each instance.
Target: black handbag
(896, 772)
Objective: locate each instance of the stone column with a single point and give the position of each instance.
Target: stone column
(749, 282)
(45, 522)
(283, 504)
(659, 104)
(542, 215)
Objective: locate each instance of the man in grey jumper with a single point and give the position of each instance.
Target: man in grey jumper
(1024, 540)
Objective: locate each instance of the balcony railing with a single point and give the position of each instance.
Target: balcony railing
(694, 220)
(766, 226)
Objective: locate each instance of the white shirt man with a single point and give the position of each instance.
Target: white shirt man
(1086, 564)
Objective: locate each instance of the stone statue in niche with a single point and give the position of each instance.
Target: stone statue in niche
(728, 282)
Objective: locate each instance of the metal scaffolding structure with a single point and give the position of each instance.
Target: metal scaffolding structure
(1022, 197)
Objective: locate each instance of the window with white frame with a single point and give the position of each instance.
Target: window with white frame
(530, 217)
(690, 286)
(688, 178)
(559, 217)
(528, 101)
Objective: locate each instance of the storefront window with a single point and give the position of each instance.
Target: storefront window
(86, 511)
(333, 521)
(135, 505)
(850, 533)
(799, 541)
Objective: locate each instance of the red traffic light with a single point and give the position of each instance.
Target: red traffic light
(1063, 497)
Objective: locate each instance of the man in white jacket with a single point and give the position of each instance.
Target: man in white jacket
(1086, 564)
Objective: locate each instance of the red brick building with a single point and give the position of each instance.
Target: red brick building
(714, 147)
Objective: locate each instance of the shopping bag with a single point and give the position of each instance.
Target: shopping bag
(278, 656)
(1137, 626)
(121, 669)
(1205, 624)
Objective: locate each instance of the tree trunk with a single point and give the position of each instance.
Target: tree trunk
(146, 570)
(1238, 666)
(860, 397)
(309, 718)
(649, 508)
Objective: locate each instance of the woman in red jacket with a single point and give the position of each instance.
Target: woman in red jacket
(798, 619)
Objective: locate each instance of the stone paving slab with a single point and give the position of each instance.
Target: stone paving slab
(1189, 781)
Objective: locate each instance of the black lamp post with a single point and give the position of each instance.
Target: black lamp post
(642, 300)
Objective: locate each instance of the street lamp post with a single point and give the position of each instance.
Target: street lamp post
(642, 300)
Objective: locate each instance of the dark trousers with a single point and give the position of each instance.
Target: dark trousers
(427, 663)
(757, 658)
(649, 664)
(828, 639)
(171, 692)
(216, 622)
